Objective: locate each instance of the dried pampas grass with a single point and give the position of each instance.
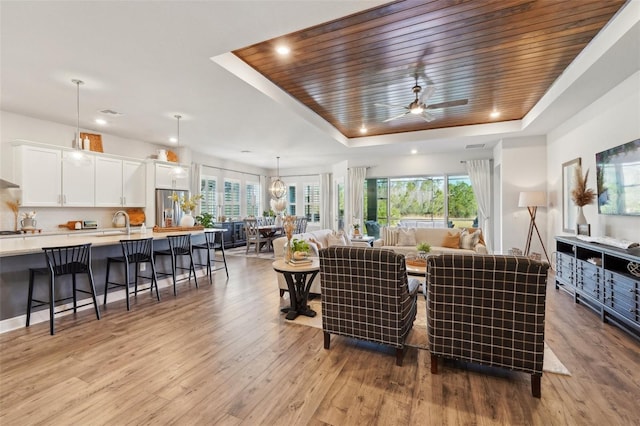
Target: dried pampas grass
(581, 195)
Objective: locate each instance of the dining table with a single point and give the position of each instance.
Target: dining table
(268, 233)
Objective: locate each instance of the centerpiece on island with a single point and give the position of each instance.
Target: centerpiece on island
(581, 195)
(187, 205)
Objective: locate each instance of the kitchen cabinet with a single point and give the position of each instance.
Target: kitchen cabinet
(165, 180)
(38, 171)
(78, 179)
(119, 183)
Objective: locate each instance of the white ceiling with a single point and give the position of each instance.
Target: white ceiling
(151, 60)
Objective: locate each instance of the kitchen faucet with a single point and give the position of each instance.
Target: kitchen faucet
(126, 220)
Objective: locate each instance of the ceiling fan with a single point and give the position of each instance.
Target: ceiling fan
(419, 107)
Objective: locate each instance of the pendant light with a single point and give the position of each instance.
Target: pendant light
(178, 172)
(78, 156)
(278, 187)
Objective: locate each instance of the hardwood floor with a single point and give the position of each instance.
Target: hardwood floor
(223, 354)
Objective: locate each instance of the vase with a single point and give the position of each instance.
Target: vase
(187, 221)
(580, 219)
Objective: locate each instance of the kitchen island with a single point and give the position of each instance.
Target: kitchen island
(21, 252)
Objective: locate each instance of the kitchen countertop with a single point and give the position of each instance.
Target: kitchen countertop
(15, 245)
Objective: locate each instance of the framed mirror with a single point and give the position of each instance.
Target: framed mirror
(569, 210)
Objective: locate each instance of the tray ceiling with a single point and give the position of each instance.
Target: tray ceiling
(499, 55)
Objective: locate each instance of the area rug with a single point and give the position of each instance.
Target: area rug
(418, 335)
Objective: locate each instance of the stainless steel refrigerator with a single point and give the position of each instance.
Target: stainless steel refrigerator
(168, 212)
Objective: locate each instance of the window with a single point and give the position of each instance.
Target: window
(208, 190)
(291, 198)
(312, 202)
(231, 198)
(462, 206)
(421, 199)
(253, 199)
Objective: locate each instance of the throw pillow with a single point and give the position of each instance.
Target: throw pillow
(451, 240)
(468, 240)
(316, 242)
(390, 236)
(481, 240)
(407, 237)
(336, 239)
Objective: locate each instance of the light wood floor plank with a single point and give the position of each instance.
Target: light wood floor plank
(224, 354)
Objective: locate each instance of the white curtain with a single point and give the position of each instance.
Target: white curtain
(480, 174)
(195, 185)
(326, 220)
(355, 188)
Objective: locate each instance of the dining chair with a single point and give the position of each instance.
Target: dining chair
(66, 260)
(252, 233)
(134, 252)
(179, 246)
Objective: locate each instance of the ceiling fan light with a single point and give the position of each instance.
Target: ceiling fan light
(417, 110)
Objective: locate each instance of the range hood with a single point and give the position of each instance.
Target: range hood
(6, 184)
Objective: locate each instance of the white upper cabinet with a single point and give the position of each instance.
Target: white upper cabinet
(38, 171)
(78, 179)
(55, 177)
(133, 183)
(165, 179)
(120, 183)
(108, 182)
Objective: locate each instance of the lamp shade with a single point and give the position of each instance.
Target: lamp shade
(532, 199)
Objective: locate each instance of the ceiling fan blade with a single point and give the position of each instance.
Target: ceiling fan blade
(428, 92)
(426, 116)
(391, 106)
(397, 116)
(459, 102)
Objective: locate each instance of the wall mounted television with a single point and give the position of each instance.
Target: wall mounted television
(618, 179)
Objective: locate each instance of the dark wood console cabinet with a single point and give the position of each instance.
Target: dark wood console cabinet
(597, 276)
(234, 235)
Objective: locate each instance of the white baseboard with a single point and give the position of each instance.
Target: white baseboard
(20, 321)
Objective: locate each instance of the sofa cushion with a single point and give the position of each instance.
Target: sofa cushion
(451, 240)
(469, 240)
(406, 237)
(481, 240)
(338, 239)
(390, 236)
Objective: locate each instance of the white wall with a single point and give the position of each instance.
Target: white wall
(612, 120)
(522, 163)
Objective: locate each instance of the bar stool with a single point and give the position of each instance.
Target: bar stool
(69, 260)
(134, 252)
(214, 240)
(179, 245)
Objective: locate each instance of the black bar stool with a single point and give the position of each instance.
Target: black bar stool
(69, 260)
(214, 241)
(134, 252)
(179, 245)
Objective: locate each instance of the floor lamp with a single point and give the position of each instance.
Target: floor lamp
(532, 200)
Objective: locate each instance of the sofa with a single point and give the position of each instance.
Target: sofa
(366, 295)
(489, 310)
(317, 240)
(442, 240)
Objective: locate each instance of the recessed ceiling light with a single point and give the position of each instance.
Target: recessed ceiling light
(173, 140)
(101, 121)
(283, 50)
(494, 114)
(414, 151)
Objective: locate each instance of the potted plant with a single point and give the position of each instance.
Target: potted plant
(356, 229)
(423, 249)
(299, 249)
(206, 220)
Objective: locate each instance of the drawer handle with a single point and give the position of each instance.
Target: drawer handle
(632, 310)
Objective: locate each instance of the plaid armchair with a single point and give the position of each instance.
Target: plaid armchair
(487, 309)
(366, 295)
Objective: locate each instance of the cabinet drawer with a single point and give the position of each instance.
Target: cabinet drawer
(625, 309)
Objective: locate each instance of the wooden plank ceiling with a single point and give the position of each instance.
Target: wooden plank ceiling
(500, 55)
